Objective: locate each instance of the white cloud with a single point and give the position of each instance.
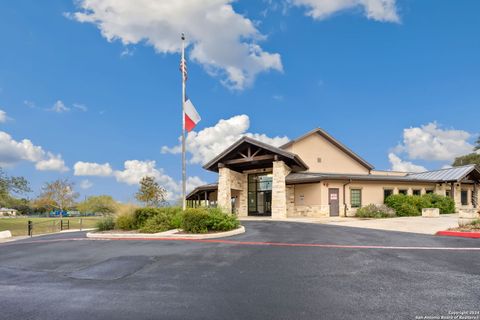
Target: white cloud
(134, 171)
(59, 107)
(404, 166)
(80, 107)
(432, 143)
(3, 116)
(13, 152)
(86, 184)
(204, 145)
(30, 104)
(52, 163)
(379, 10)
(223, 41)
(92, 169)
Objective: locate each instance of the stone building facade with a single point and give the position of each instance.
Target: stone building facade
(317, 176)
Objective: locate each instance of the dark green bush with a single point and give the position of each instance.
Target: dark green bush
(157, 223)
(155, 219)
(375, 211)
(141, 215)
(125, 222)
(405, 205)
(445, 204)
(202, 220)
(106, 224)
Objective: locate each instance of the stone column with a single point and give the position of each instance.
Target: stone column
(243, 197)
(224, 195)
(458, 196)
(279, 190)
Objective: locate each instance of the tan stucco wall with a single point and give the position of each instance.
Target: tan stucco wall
(332, 159)
(388, 173)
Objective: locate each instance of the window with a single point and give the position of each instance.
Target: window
(429, 191)
(387, 193)
(260, 193)
(417, 192)
(403, 191)
(448, 193)
(356, 198)
(464, 197)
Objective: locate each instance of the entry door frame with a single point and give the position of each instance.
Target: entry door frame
(334, 201)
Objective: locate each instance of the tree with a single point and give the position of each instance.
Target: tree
(477, 144)
(58, 194)
(9, 186)
(98, 204)
(472, 158)
(150, 192)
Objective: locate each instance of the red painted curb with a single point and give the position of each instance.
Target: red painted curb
(461, 234)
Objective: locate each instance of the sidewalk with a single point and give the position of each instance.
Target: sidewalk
(404, 224)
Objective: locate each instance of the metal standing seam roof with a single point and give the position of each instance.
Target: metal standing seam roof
(443, 175)
(450, 174)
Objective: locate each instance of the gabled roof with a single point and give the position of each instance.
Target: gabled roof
(333, 141)
(292, 158)
(205, 187)
(449, 174)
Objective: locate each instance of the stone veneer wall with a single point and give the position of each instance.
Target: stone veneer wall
(279, 190)
(290, 200)
(228, 180)
(224, 191)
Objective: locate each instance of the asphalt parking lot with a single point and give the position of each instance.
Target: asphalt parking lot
(276, 270)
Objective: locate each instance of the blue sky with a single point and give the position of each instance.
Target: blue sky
(396, 81)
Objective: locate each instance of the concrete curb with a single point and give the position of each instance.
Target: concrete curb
(461, 234)
(5, 234)
(170, 234)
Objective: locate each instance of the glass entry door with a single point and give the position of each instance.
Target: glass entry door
(260, 194)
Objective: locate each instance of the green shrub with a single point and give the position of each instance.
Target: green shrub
(375, 211)
(141, 215)
(445, 204)
(157, 219)
(405, 205)
(157, 223)
(125, 222)
(202, 220)
(195, 220)
(106, 224)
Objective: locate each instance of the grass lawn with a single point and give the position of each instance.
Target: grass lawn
(18, 226)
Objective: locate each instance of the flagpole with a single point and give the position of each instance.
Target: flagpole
(184, 171)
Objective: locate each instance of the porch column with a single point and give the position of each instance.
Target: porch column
(224, 195)
(475, 196)
(279, 189)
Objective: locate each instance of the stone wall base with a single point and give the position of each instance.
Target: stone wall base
(310, 211)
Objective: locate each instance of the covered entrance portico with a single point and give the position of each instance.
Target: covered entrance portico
(251, 178)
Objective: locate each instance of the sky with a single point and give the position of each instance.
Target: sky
(90, 90)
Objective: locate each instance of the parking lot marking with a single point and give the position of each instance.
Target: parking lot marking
(256, 243)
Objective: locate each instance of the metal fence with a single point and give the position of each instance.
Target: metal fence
(57, 225)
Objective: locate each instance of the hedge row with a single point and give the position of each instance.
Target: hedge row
(405, 205)
(401, 205)
(198, 220)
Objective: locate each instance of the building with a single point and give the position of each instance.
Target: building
(7, 212)
(315, 175)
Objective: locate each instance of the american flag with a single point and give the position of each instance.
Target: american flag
(183, 68)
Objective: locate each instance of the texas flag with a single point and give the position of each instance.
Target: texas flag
(191, 116)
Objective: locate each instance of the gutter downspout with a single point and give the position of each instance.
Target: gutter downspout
(344, 197)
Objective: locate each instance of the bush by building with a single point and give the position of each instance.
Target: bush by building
(198, 220)
(375, 211)
(406, 205)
